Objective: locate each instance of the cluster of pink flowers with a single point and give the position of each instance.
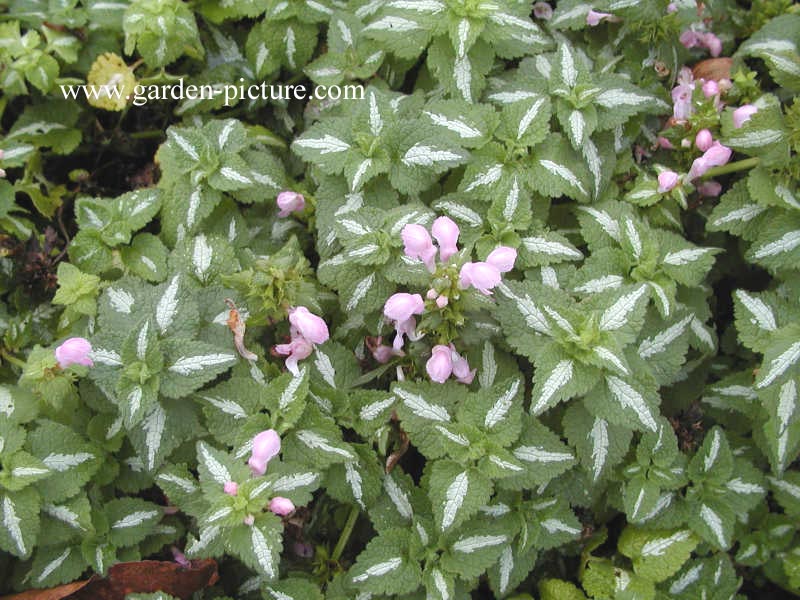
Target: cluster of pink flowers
(307, 330)
(701, 39)
(74, 351)
(290, 202)
(445, 361)
(402, 308)
(266, 446)
(714, 154)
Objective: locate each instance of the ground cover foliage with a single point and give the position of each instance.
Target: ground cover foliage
(522, 321)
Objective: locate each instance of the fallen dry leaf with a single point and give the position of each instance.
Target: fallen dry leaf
(713, 68)
(144, 577)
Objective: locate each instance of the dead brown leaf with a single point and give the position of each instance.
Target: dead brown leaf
(713, 68)
(142, 577)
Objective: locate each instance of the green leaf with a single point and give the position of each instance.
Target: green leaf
(456, 493)
(657, 554)
(258, 546)
(130, 520)
(20, 517)
(383, 566)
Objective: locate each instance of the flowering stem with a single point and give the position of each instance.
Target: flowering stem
(345, 536)
(739, 165)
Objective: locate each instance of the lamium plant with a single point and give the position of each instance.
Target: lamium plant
(492, 299)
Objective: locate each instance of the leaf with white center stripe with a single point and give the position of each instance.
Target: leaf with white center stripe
(551, 385)
(456, 493)
(780, 358)
(714, 523)
(625, 311)
(599, 444)
(56, 564)
(213, 465)
(131, 520)
(422, 155)
(321, 449)
(633, 403)
(657, 554)
(419, 407)
(190, 364)
(782, 429)
(167, 306)
(714, 461)
(548, 248)
(66, 455)
(382, 569)
(542, 453)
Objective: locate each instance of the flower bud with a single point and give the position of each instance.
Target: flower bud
(309, 325)
(231, 488)
(399, 307)
(74, 351)
(446, 232)
(502, 258)
(440, 364)
(671, 8)
(542, 10)
(442, 301)
(249, 520)
(667, 180)
(710, 189)
(281, 506)
(742, 114)
(290, 202)
(703, 140)
(418, 244)
(266, 445)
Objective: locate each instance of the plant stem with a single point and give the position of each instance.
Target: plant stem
(345, 536)
(12, 359)
(739, 165)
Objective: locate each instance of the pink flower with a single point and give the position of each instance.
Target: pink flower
(440, 364)
(249, 520)
(502, 258)
(180, 558)
(710, 88)
(480, 275)
(310, 326)
(281, 506)
(446, 233)
(682, 95)
(266, 446)
(593, 18)
(671, 8)
(542, 10)
(742, 114)
(418, 244)
(664, 143)
(400, 308)
(667, 180)
(383, 353)
(461, 369)
(231, 488)
(710, 189)
(716, 156)
(296, 350)
(442, 301)
(290, 202)
(689, 39)
(703, 140)
(74, 351)
(306, 331)
(712, 43)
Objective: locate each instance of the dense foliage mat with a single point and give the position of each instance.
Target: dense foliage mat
(512, 311)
